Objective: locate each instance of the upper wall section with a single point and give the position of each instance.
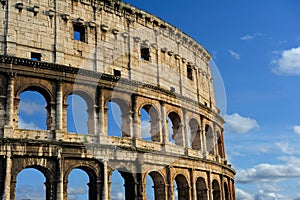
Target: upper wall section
(107, 36)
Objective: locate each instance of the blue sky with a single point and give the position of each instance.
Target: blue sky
(256, 47)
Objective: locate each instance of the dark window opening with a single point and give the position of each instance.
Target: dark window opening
(117, 72)
(189, 72)
(172, 89)
(79, 32)
(145, 54)
(36, 56)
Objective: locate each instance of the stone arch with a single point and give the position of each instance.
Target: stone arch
(209, 136)
(177, 135)
(154, 121)
(88, 99)
(45, 93)
(49, 176)
(194, 132)
(182, 187)
(159, 185)
(125, 115)
(129, 180)
(92, 174)
(226, 191)
(201, 189)
(216, 190)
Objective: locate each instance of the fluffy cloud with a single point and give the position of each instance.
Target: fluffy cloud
(77, 193)
(269, 173)
(234, 54)
(235, 123)
(284, 147)
(297, 129)
(288, 63)
(242, 195)
(264, 195)
(30, 108)
(27, 125)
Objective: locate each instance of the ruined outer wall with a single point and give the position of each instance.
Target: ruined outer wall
(114, 34)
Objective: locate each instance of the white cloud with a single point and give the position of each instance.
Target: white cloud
(234, 54)
(264, 195)
(284, 147)
(270, 173)
(242, 195)
(247, 37)
(145, 129)
(30, 192)
(288, 63)
(27, 125)
(297, 129)
(30, 108)
(235, 123)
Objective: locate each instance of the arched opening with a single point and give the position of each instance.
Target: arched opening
(220, 145)
(226, 191)
(31, 185)
(155, 187)
(216, 190)
(118, 118)
(78, 181)
(174, 129)
(150, 123)
(34, 112)
(77, 114)
(122, 186)
(182, 187)
(201, 189)
(194, 130)
(209, 139)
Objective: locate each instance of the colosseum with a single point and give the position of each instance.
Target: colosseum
(108, 52)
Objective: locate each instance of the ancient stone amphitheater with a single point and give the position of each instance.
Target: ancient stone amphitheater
(108, 51)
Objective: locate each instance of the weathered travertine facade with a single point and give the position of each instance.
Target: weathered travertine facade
(108, 51)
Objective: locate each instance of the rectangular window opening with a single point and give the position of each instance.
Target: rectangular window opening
(145, 54)
(79, 32)
(189, 70)
(36, 56)
(117, 72)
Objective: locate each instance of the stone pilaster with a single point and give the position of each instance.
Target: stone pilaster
(9, 127)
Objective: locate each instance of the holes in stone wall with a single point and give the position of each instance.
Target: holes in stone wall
(35, 56)
(145, 53)
(79, 32)
(189, 70)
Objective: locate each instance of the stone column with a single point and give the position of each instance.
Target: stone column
(169, 184)
(60, 179)
(193, 185)
(203, 135)
(165, 137)
(8, 128)
(105, 181)
(209, 184)
(136, 128)
(185, 132)
(7, 182)
(59, 111)
(101, 113)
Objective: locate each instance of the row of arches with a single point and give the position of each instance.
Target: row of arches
(33, 113)
(80, 114)
(121, 186)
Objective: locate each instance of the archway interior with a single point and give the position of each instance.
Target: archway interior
(114, 119)
(117, 189)
(30, 185)
(216, 190)
(145, 123)
(174, 129)
(78, 185)
(194, 134)
(149, 188)
(32, 111)
(182, 187)
(209, 139)
(201, 189)
(77, 115)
